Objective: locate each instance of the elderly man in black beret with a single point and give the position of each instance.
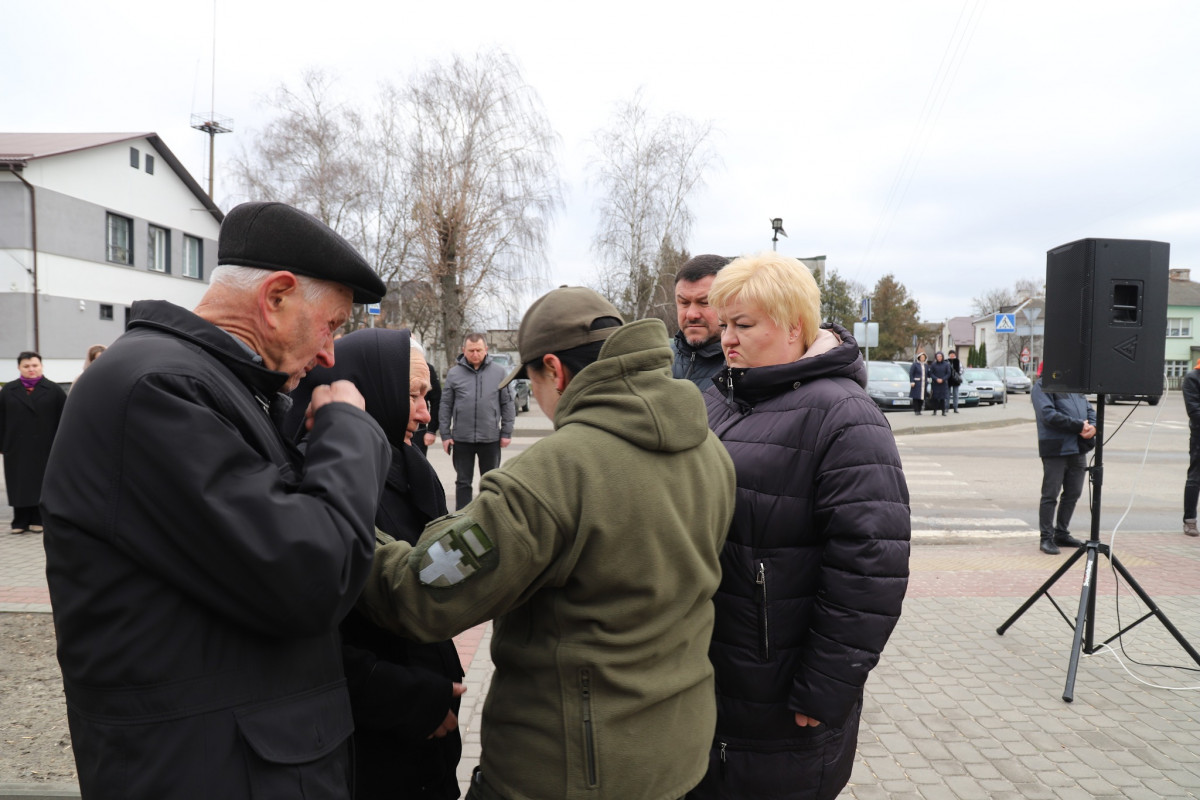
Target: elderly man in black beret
(199, 564)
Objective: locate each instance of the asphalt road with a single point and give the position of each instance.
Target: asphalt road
(972, 483)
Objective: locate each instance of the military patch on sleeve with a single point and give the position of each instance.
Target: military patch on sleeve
(456, 555)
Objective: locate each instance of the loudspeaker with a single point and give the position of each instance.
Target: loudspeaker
(1106, 317)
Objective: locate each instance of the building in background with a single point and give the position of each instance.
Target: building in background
(90, 222)
(1183, 314)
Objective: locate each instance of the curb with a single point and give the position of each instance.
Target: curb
(959, 426)
(46, 791)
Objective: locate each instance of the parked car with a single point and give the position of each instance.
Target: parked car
(987, 383)
(520, 387)
(887, 384)
(1148, 399)
(1015, 379)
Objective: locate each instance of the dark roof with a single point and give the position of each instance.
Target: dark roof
(18, 149)
(1183, 293)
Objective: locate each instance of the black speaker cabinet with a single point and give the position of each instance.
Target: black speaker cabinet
(1106, 317)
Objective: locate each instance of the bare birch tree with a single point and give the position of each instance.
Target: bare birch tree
(484, 178)
(344, 167)
(646, 170)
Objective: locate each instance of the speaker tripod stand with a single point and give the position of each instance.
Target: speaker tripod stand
(1085, 619)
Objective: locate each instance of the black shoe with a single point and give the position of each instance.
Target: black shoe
(1066, 540)
(1048, 546)
(956, 411)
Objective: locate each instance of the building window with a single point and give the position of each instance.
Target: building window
(1179, 327)
(120, 239)
(133, 157)
(106, 312)
(192, 252)
(149, 164)
(1176, 369)
(158, 252)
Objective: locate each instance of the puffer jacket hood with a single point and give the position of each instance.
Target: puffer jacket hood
(633, 375)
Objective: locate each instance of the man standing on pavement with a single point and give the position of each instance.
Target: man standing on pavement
(955, 381)
(1191, 487)
(198, 563)
(476, 415)
(697, 345)
(1066, 426)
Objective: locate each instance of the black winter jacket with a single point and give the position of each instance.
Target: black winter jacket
(400, 689)
(198, 567)
(813, 573)
(696, 364)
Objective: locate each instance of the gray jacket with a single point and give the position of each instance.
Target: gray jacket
(696, 364)
(1060, 418)
(474, 409)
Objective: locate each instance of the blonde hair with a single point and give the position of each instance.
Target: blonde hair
(782, 287)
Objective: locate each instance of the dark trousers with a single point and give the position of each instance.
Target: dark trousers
(917, 403)
(1065, 474)
(1191, 487)
(464, 455)
(24, 516)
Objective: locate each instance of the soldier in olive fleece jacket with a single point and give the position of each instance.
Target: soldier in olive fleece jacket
(597, 552)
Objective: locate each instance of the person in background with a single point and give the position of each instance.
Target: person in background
(918, 378)
(939, 383)
(405, 695)
(1066, 429)
(476, 415)
(815, 568)
(1191, 487)
(30, 410)
(697, 343)
(93, 353)
(198, 563)
(955, 380)
(427, 431)
(596, 550)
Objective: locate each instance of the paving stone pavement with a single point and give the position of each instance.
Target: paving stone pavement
(955, 711)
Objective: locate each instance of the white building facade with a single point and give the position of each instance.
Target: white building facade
(88, 224)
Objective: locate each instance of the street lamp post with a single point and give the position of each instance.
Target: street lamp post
(777, 226)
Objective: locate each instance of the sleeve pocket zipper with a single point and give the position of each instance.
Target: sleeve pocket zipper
(589, 734)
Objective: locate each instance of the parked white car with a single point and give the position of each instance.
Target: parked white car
(1015, 379)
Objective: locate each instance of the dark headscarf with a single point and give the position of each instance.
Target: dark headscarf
(377, 360)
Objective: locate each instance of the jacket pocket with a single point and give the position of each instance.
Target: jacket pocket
(760, 600)
(296, 744)
(589, 729)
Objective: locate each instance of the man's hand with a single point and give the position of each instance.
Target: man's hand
(447, 444)
(336, 392)
(451, 721)
(1089, 430)
(430, 439)
(505, 442)
(806, 722)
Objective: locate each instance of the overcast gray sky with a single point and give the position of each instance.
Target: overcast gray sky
(950, 142)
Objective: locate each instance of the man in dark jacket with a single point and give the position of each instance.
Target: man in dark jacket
(697, 344)
(198, 564)
(476, 415)
(30, 408)
(1066, 426)
(1191, 487)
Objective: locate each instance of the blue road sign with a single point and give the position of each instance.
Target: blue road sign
(1006, 323)
(373, 309)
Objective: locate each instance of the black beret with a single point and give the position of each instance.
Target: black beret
(276, 236)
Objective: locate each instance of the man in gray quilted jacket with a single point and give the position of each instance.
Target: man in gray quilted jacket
(476, 415)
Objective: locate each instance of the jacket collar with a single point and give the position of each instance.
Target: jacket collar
(180, 322)
(706, 350)
(827, 358)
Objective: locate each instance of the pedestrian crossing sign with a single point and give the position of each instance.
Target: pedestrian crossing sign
(1006, 323)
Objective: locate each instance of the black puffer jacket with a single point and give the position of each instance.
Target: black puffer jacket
(814, 570)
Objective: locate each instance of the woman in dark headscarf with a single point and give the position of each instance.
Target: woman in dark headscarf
(405, 695)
